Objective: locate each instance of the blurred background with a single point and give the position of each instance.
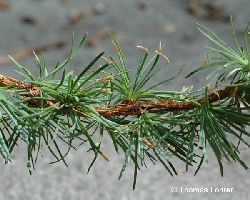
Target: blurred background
(47, 26)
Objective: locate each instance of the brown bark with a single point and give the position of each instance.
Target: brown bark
(6, 81)
(131, 107)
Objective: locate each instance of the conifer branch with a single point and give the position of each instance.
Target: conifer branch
(143, 122)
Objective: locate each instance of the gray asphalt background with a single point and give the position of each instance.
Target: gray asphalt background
(161, 20)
